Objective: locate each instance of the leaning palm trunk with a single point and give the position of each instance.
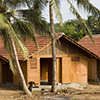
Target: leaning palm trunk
(53, 48)
(19, 69)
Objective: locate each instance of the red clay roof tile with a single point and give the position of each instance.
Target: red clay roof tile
(41, 40)
(88, 44)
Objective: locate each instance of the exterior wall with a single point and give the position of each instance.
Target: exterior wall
(66, 64)
(92, 69)
(74, 71)
(47, 51)
(69, 72)
(16, 78)
(33, 70)
(0, 72)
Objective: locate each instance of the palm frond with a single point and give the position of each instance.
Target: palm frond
(24, 29)
(28, 4)
(75, 12)
(58, 3)
(3, 22)
(8, 47)
(19, 44)
(33, 16)
(89, 7)
(14, 3)
(39, 4)
(55, 4)
(12, 61)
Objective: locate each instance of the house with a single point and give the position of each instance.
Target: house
(95, 48)
(75, 63)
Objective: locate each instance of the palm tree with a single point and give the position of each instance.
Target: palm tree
(35, 7)
(12, 41)
(90, 8)
(54, 78)
(53, 4)
(10, 30)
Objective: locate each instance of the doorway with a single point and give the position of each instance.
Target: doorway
(46, 65)
(7, 75)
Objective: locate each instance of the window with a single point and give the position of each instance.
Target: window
(33, 63)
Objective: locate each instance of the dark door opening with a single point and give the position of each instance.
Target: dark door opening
(7, 75)
(46, 65)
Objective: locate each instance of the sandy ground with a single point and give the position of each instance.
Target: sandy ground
(92, 92)
(8, 91)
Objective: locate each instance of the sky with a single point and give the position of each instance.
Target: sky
(66, 13)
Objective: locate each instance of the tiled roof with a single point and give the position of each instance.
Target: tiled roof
(42, 41)
(88, 44)
(85, 44)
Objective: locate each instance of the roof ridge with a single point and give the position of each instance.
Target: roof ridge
(92, 35)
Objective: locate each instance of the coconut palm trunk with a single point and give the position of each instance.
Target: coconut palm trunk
(53, 48)
(25, 88)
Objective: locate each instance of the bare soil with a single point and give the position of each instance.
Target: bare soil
(91, 92)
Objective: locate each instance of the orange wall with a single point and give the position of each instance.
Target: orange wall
(74, 71)
(33, 70)
(92, 69)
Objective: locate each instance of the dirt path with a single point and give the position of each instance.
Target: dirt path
(8, 94)
(8, 91)
(92, 92)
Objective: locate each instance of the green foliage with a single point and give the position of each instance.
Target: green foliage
(83, 23)
(3, 22)
(8, 32)
(23, 29)
(94, 24)
(72, 29)
(88, 7)
(34, 14)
